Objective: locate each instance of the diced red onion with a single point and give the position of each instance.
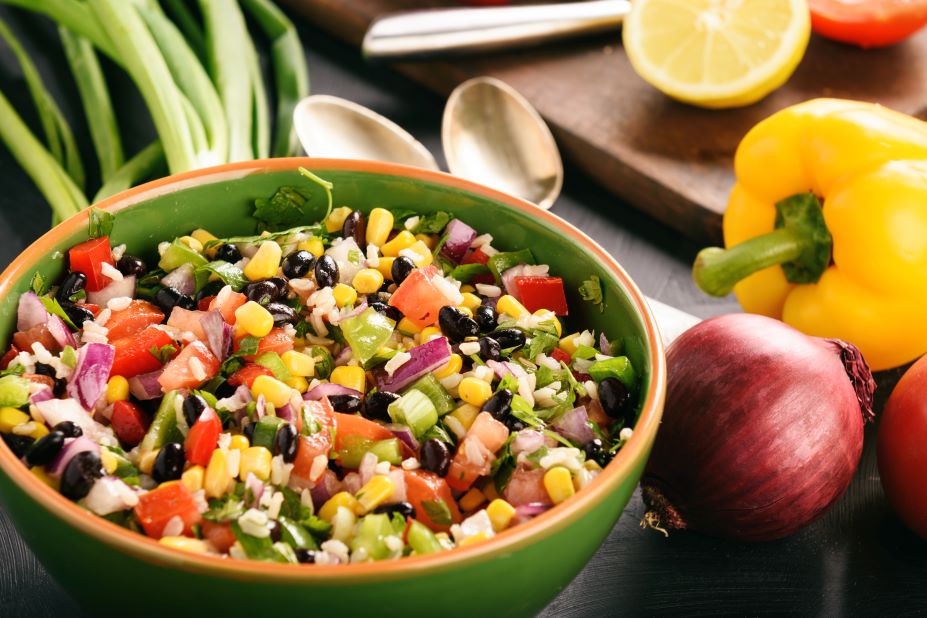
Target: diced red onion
(256, 486)
(55, 411)
(527, 441)
(343, 356)
(30, 312)
(286, 413)
(352, 482)
(327, 389)
(88, 382)
(326, 487)
(259, 411)
(404, 434)
(59, 330)
(145, 386)
(354, 313)
(605, 346)
(218, 334)
(43, 395)
(459, 237)
(574, 426)
(110, 495)
(181, 279)
(124, 287)
(367, 467)
(425, 359)
(72, 446)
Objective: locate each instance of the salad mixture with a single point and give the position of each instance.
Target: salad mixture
(366, 388)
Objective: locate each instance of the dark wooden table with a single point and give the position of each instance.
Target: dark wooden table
(857, 560)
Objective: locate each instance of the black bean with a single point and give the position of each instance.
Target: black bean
(77, 314)
(487, 318)
(73, 283)
(509, 338)
(20, 445)
(45, 449)
(326, 272)
(79, 475)
(514, 424)
(305, 556)
(490, 349)
(69, 429)
(210, 289)
(281, 285)
(500, 404)
(225, 390)
(61, 388)
(282, 314)
(193, 406)
(595, 451)
(377, 405)
(262, 292)
(355, 226)
(168, 465)
(276, 531)
(456, 325)
(377, 305)
(393, 313)
(248, 431)
(298, 264)
(402, 267)
(45, 370)
(615, 398)
(130, 265)
(228, 252)
(286, 441)
(435, 456)
(346, 404)
(167, 298)
(403, 508)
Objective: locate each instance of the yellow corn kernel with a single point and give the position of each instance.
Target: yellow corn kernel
(549, 315)
(466, 413)
(264, 263)
(466, 288)
(466, 311)
(335, 220)
(593, 465)
(330, 508)
(344, 295)
(192, 478)
(379, 225)
(109, 461)
(217, 479)
(429, 240)
(408, 327)
(423, 254)
(374, 493)
(204, 237)
(386, 267)
(239, 442)
(192, 243)
(33, 429)
(474, 392)
(568, 343)
(500, 514)
(299, 383)
(298, 364)
(402, 240)
(312, 245)
(509, 306)
(453, 365)
(472, 499)
(40, 473)
(11, 417)
(185, 543)
(274, 391)
(476, 538)
(146, 461)
(367, 280)
(350, 377)
(559, 484)
(470, 300)
(256, 460)
(117, 389)
(428, 333)
(254, 319)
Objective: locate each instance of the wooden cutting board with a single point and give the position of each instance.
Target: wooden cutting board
(670, 160)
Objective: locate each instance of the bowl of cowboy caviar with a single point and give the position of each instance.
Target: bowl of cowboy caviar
(341, 384)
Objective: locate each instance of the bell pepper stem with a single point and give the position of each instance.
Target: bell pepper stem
(717, 270)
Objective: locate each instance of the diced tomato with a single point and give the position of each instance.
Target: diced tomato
(203, 303)
(478, 257)
(525, 487)
(276, 341)
(94, 309)
(248, 373)
(542, 293)
(129, 422)
(88, 258)
(419, 298)
(187, 320)
(561, 356)
(159, 506)
(38, 333)
(202, 438)
(423, 486)
(351, 426)
(133, 354)
(491, 432)
(471, 461)
(319, 443)
(132, 319)
(230, 302)
(597, 415)
(220, 536)
(10, 355)
(179, 374)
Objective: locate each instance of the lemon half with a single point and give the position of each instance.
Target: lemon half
(716, 53)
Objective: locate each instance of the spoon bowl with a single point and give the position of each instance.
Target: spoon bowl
(493, 136)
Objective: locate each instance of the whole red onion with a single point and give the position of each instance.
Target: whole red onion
(762, 429)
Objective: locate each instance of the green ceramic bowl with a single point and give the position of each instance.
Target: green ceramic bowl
(109, 569)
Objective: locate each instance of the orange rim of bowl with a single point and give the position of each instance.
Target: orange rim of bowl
(547, 523)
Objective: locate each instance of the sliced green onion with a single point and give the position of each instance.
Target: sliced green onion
(261, 126)
(73, 15)
(147, 163)
(189, 25)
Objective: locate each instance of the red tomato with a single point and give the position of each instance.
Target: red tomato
(187, 320)
(203, 303)
(10, 355)
(133, 354)
(478, 257)
(178, 373)
(157, 507)
(869, 23)
(276, 341)
(88, 258)
(219, 536)
(350, 425)
(422, 486)
(230, 303)
(560, 356)
(129, 422)
(542, 293)
(94, 309)
(248, 373)
(901, 453)
(418, 298)
(202, 438)
(491, 432)
(319, 443)
(38, 333)
(525, 487)
(471, 461)
(132, 319)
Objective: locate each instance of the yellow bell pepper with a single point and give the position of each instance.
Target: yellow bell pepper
(854, 267)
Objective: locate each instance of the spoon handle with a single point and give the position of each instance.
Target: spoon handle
(432, 33)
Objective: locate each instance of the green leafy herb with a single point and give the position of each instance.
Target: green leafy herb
(149, 283)
(509, 382)
(574, 383)
(504, 465)
(591, 290)
(439, 432)
(432, 223)
(54, 307)
(553, 435)
(438, 512)
(283, 209)
(39, 284)
(324, 363)
(400, 215)
(465, 273)
(541, 343)
(224, 510)
(101, 223)
(263, 549)
(525, 413)
(230, 274)
(250, 240)
(322, 183)
(164, 353)
(15, 370)
(303, 328)
(246, 347)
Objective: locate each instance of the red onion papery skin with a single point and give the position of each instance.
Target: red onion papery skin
(762, 429)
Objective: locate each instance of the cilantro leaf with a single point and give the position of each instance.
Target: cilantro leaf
(164, 353)
(246, 347)
(438, 512)
(54, 307)
(229, 274)
(15, 370)
(591, 290)
(324, 363)
(399, 217)
(541, 343)
(283, 209)
(101, 223)
(504, 465)
(432, 223)
(39, 284)
(224, 510)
